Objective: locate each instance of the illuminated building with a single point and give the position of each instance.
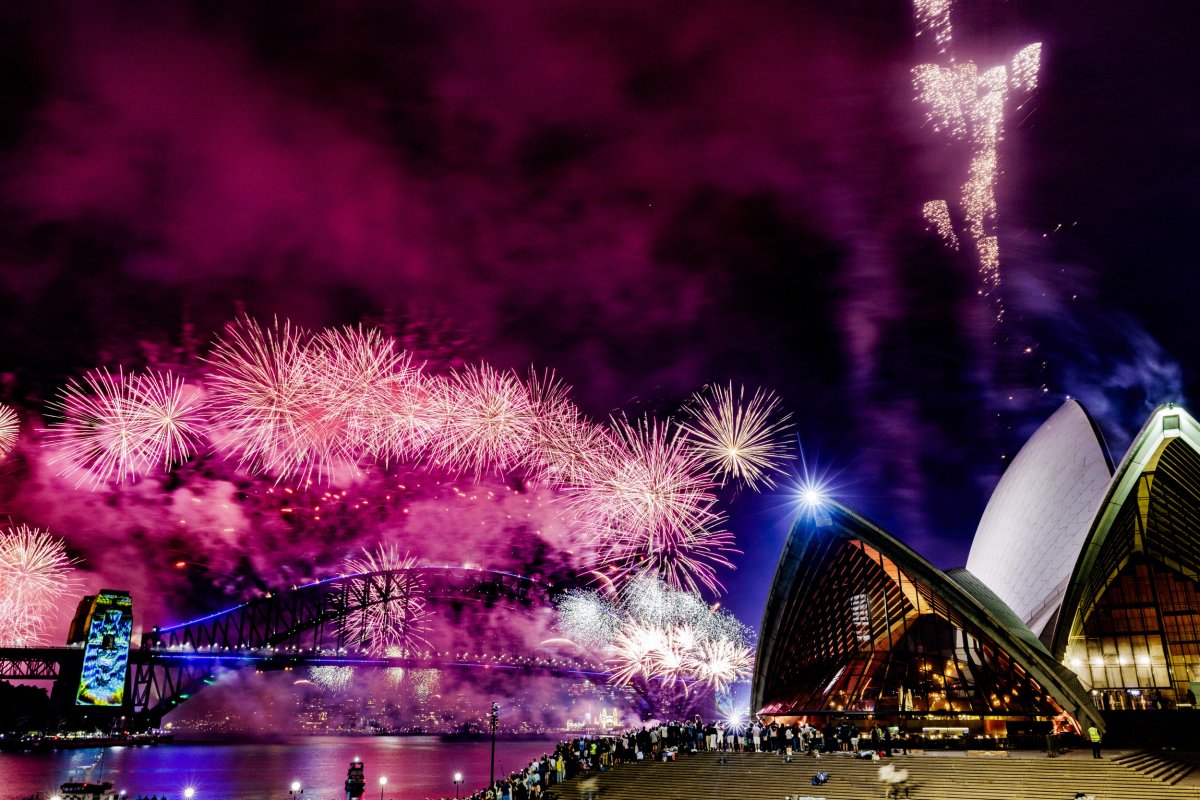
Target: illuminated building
(1081, 594)
(104, 626)
(1104, 564)
(1130, 620)
(857, 624)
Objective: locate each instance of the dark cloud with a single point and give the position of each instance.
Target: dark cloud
(645, 197)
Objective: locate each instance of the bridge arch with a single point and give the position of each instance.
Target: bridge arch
(306, 626)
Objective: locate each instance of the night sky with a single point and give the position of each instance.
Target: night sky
(645, 197)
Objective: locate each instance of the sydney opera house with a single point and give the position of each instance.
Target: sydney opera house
(1080, 600)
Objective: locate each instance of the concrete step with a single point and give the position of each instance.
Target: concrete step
(751, 776)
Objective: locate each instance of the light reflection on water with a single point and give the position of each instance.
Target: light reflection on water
(416, 767)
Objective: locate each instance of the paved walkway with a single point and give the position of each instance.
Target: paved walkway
(1002, 775)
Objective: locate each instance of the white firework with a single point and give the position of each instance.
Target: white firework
(114, 428)
(652, 632)
(386, 598)
(739, 438)
(35, 573)
(331, 678)
(10, 430)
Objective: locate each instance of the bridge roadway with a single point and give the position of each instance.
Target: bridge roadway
(46, 663)
(323, 623)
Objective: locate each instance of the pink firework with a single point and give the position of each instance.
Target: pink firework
(649, 509)
(113, 428)
(687, 560)
(10, 430)
(358, 376)
(265, 399)
(411, 419)
(490, 422)
(739, 438)
(97, 430)
(569, 447)
(170, 416)
(387, 598)
(35, 573)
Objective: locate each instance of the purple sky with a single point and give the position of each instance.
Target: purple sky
(644, 197)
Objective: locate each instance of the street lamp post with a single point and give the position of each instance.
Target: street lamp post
(494, 719)
(382, 783)
(296, 791)
(457, 781)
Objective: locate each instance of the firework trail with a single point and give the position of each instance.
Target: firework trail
(651, 632)
(35, 573)
(390, 615)
(10, 430)
(738, 439)
(113, 428)
(966, 104)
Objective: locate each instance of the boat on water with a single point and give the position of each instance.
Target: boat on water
(85, 787)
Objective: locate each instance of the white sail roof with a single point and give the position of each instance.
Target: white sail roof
(1036, 521)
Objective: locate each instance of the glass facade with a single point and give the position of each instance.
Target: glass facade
(867, 636)
(1136, 641)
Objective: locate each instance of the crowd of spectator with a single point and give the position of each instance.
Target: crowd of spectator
(589, 756)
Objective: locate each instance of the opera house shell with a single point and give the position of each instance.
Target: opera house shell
(858, 624)
(1081, 594)
(1035, 522)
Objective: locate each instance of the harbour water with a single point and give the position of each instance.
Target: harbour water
(416, 767)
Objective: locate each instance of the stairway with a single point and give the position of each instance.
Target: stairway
(761, 776)
(1167, 766)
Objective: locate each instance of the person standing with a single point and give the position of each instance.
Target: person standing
(1094, 735)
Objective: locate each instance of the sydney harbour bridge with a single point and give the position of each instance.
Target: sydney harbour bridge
(305, 626)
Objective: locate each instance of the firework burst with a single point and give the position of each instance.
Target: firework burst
(721, 662)
(113, 428)
(272, 415)
(10, 430)
(569, 447)
(489, 422)
(35, 573)
(358, 376)
(649, 508)
(588, 619)
(387, 602)
(739, 439)
(171, 417)
(331, 678)
(652, 632)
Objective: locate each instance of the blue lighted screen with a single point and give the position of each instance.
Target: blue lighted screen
(106, 654)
